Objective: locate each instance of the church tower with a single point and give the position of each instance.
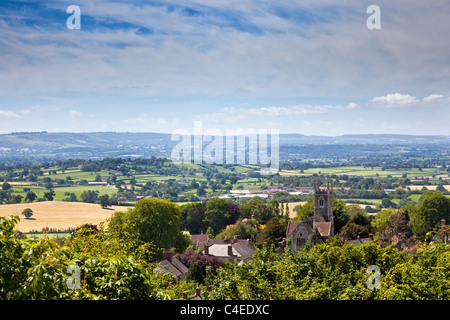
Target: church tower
(319, 227)
(323, 202)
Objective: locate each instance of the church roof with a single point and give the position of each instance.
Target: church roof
(324, 228)
(292, 225)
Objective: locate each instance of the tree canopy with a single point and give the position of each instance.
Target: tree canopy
(154, 220)
(432, 207)
(330, 271)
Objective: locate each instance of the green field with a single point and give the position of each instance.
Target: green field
(60, 191)
(411, 173)
(75, 175)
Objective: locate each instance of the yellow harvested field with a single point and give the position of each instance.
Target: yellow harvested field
(446, 186)
(58, 214)
(292, 205)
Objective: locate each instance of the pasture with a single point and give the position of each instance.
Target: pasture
(411, 173)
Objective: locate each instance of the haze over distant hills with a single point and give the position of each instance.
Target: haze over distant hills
(92, 139)
(50, 146)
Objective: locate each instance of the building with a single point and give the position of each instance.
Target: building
(199, 240)
(241, 250)
(317, 228)
(360, 240)
(170, 264)
(98, 183)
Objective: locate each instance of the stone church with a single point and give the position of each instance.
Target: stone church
(317, 228)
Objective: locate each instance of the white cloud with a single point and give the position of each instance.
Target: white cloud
(147, 123)
(232, 51)
(433, 97)
(74, 113)
(296, 110)
(397, 100)
(393, 100)
(214, 54)
(9, 114)
(12, 114)
(26, 112)
(233, 114)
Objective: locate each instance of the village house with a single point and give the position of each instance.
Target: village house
(199, 240)
(241, 250)
(360, 240)
(171, 264)
(98, 183)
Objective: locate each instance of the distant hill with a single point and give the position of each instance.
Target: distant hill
(296, 139)
(29, 147)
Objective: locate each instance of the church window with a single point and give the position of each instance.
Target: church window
(321, 202)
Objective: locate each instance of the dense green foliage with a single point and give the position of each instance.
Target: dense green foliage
(331, 271)
(119, 264)
(153, 220)
(110, 267)
(432, 208)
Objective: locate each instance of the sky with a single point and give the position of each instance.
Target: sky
(298, 66)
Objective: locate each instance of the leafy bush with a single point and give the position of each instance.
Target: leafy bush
(110, 268)
(330, 271)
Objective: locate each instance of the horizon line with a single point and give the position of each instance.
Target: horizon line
(269, 130)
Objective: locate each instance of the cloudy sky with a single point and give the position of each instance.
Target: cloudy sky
(303, 66)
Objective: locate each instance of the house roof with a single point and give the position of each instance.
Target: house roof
(244, 250)
(221, 250)
(178, 268)
(359, 241)
(201, 238)
(240, 247)
(179, 265)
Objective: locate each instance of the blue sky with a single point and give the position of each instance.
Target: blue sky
(310, 66)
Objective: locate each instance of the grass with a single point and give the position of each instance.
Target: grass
(415, 197)
(60, 191)
(412, 173)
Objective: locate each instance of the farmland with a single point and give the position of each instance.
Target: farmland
(64, 188)
(412, 173)
(58, 215)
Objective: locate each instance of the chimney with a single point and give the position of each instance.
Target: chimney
(167, 255)
(230, 250)
(234, 239)
(206, 248)
(197, 291)
(371, 236)
(442, 222)
(185, 295)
